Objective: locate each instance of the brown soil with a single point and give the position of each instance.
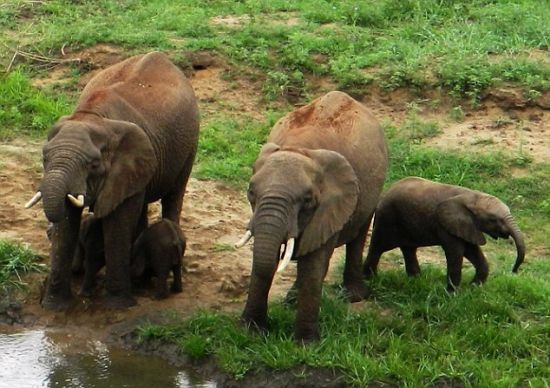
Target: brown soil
(215, 215)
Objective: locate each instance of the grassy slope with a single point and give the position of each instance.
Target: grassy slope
(412, 332)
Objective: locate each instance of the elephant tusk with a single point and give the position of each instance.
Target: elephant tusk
(288, 255)
(244, 239)
(34, 200)
(78, 202)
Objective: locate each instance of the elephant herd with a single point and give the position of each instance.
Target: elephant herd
(132, 140)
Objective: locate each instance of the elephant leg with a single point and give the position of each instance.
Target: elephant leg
(411, 261)
(354, 284)
(377, 247)
(118, 229)
(474, 254)
(176, 284)
(311, 272)
(292, 294)
(93, 263)
(173, 201)
(143, 222)
(454, 253)
(58, 294)
(161, 287)
(77, 266)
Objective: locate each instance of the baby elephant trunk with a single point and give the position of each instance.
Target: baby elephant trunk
(518, 240)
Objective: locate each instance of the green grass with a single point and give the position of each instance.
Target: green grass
(463, 47)
(411, 333)
(228, 148)
(24, 109)
(15, 261)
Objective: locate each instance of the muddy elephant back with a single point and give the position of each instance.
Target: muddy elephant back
(335, 122)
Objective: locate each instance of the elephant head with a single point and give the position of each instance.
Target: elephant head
(297, 194)
(97, 162)
(471, 214)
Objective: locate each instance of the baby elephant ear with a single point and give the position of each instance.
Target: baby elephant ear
(132, 164)
(453, 214)
(339, 191)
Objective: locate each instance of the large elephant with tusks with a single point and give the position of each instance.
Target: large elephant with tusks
(314, 187)
(131, 140)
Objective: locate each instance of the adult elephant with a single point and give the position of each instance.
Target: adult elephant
(416, 212)
(315, 185)
(131, 140)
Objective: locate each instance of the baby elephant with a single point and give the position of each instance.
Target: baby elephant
(90, 253)
(416, 212)
(157, 251)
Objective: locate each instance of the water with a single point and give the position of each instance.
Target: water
(43, 359)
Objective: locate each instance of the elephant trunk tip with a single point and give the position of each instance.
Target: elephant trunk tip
(518, 263)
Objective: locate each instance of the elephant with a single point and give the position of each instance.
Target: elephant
(90, 253)
(131, 140)
(157, 251)
(416, 212)
(314, 187)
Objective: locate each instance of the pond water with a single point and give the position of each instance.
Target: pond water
(40, 358)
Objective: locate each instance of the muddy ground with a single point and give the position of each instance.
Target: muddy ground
(215, 215)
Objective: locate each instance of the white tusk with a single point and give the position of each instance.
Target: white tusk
(34, 200)
(244, 239)
(288, 255)
(78, 202)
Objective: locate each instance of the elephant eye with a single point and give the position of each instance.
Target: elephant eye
(250, 194)
(95, 164)
(309, 201)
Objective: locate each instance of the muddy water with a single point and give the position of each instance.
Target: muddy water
(45, 359)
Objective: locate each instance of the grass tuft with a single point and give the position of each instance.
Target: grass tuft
(15, 261)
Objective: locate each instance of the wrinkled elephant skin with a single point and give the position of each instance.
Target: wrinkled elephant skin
(416, 212)
(131, 140)
(316, 182)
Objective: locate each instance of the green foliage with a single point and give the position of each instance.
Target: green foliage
(228, 148)
(411, 333)
(24, 110)
(463, 46)
(15, 261)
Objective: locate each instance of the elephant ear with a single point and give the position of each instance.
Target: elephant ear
(265, 152)
(338, 190)
(457, 219)
(132, 165)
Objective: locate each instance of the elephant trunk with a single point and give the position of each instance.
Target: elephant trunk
(54, 190)
(270, 231)
(518, 240)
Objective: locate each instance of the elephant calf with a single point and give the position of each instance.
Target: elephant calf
(416, 212)
(157, 251)
(90, 253)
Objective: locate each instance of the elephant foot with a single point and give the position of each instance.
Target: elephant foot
(451, 288)
(161, 295)
(291, 297)
(477, 281)
(356, 292)
(54, 302)
(119, 302)
(306, 336)
(413, 272)
(256, 325)
(369, 272)
(176, 288)
(86, 292)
